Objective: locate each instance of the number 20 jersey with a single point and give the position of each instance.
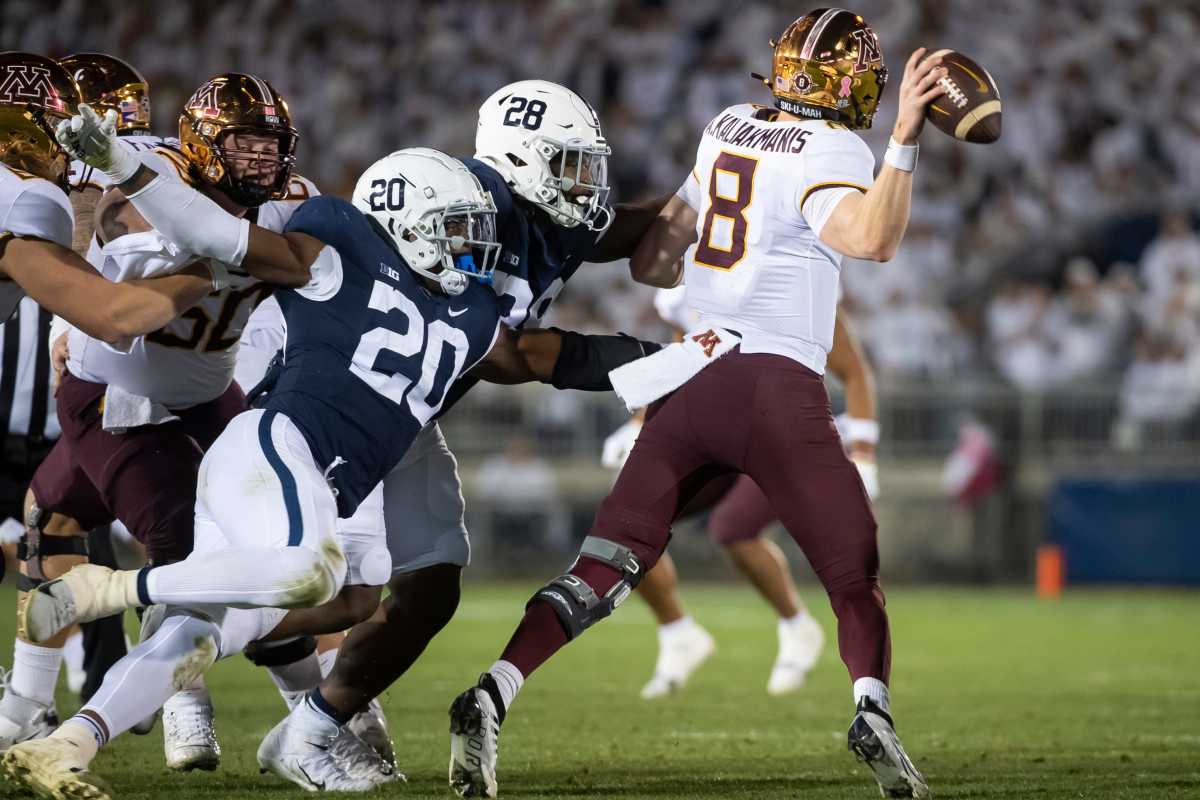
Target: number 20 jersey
(763, 188)
(369, 356)
(191, 359)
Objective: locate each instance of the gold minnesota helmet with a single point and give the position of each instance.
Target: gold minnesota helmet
(106, 82)
(235, 103)
(35, 95)
(828, 65)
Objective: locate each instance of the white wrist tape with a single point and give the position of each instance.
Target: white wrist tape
(901, 156)
(191, 221)
(123, 165)
(862, 430)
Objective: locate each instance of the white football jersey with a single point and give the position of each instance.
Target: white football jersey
(763, 189)
(192, 359)
(81, 175)
(672, 307)
(30, 206)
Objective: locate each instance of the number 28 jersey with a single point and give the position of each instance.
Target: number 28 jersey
(763, 188)
(370, 351)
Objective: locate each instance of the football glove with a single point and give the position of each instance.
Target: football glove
(93, 140)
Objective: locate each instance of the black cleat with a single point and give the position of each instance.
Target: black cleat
(872, 738)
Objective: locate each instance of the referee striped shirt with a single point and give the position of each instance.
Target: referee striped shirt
(26, 394)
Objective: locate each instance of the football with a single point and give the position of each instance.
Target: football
(970, 108)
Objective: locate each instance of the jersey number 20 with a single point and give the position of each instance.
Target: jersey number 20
(730, 208)
(424, 398)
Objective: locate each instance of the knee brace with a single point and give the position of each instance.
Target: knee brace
(576, 603)
(33, 547)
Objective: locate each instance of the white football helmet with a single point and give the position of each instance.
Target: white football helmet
(431, 205)
(546, 140)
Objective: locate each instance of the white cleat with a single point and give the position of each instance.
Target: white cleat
(679, 655)
(307, 761)
(475, 741)
(189, 738)
(22, 719)
(52, 768)
(84, 594)
(872, 738)
(800, 646)
(371, 726)
(360, 761)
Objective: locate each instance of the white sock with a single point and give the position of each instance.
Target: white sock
(677, 628)
(73, 652)
(800, 616)
(140, 683)
(313, 720)
(299, 676)
(327, 660)
(278, 577)
(509, 681)
(873, 688)
(35, 671)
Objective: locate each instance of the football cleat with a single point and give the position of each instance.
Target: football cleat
(872, 738)
(307, 760)
(189, 738)
(359, 760)
(22, 719)
(52, 768)
(371, 726)
(800, 646)
(475, 740)
(85, 593)
(679, 655)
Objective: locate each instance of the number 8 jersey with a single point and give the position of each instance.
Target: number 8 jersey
(763, 188)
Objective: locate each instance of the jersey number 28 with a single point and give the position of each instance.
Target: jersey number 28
(424, 397)
(730, 209)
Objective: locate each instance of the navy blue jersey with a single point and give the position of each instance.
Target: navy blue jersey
(536, 258)
(369, 364)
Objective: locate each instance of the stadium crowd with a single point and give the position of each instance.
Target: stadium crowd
(1001, 274)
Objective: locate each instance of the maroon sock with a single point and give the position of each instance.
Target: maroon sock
(540, 634)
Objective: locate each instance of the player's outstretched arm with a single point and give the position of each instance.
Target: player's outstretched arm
(563, 359)
(656, 260)
(190, 220)
(871, 225)
(63, 283)
(630, 223)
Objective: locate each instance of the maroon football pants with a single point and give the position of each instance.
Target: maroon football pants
(145, 477)
(767, 417)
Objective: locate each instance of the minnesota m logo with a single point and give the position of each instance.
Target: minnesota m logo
(205, 99)
(707, 340)
(868, 49)
(27, 83)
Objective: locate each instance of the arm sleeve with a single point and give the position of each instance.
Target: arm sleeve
(690, 192)
(837, 164)
(191, 221)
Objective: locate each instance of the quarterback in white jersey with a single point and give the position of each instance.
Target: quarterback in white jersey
(777, 198)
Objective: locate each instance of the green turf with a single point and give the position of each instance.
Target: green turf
(996, 695)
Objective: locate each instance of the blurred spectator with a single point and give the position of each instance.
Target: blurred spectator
(522, 494)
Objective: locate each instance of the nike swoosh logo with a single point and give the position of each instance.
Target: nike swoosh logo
(318, 746)
(568, 125)
(458, 312)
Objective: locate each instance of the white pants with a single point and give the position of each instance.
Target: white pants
(266, 520)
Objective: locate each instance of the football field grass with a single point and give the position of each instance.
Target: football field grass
(996, 695)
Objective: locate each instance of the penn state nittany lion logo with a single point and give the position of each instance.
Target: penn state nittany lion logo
(28, 83)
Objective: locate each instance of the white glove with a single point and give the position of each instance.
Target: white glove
(619, 444)
(869, 472)
(94, 141)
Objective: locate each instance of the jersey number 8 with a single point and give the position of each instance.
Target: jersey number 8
(728, 207)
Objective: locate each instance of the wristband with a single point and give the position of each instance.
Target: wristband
(901, 156)
(862, 430)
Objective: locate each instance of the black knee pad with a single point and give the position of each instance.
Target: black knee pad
(33, 546)
(279, 654)
(575, 603)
